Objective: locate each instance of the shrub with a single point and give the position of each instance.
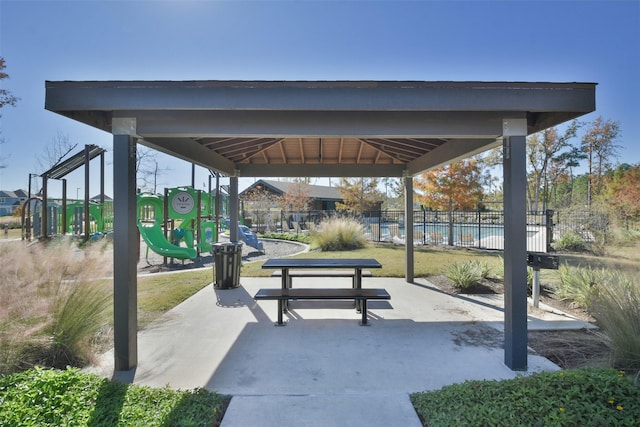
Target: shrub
(464, 274)
(571, 241)
(581, 397)
(482, 267)
(579, 284)
(292, 237)
(42, 397)
(52, 307)
(338, 234)
(616, 308)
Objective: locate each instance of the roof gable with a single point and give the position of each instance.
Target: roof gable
(316, 192)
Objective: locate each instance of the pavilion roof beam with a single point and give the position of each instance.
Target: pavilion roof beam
(296, 124)
(321, 170)
(453, 151)
(191, 151)
(284, 155)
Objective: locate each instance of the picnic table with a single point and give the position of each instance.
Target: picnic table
(321, 267)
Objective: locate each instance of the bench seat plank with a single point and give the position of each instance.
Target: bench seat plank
(322, 293)
(358, 294)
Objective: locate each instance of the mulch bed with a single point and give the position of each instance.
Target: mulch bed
(568, 349)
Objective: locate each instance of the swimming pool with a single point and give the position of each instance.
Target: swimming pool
(486, 236)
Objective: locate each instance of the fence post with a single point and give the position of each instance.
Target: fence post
(479, 227)
(548, 220)
(424, 227)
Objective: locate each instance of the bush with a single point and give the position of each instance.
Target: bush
(616, 308)
(292, 237)
(581, 397)
(41, 397)
(338, 234)
(52, 306)
(579, 284)
(465, 274)
(571, 242)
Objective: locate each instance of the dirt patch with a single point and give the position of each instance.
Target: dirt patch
(572, 348)
(568, 349)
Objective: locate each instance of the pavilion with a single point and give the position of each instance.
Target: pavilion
(320, 129)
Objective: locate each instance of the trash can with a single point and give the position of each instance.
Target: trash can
(227, 261)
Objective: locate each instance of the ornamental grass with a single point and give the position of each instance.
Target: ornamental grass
(53, 308)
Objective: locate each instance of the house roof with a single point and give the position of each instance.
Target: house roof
(17, 194)
(316, 192)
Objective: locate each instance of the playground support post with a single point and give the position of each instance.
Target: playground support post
(87, 218)
(63, 227)
(45, 223)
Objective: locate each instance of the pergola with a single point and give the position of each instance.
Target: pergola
(320, 129)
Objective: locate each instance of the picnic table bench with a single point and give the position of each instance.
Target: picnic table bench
(322, 267)
(361, 295)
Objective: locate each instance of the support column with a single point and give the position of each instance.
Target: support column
(125, 315)
(408, 228)
(515, 244)
(233, 209)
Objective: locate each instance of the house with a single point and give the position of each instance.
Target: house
(321, 198)
(11, 200)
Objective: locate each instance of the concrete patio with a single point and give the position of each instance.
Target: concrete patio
(323, 367)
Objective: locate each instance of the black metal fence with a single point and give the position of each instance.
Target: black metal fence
(587, 224)
(474, 229)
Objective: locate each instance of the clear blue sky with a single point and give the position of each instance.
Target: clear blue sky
(557, 41)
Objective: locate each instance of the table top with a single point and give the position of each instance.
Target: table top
(321, 263)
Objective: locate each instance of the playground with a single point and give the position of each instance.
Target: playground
(177, 228)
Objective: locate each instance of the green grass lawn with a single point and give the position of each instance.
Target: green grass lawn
(430, 261)
(427, 261)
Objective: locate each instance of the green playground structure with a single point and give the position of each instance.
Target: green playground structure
(65, 218)
(157, 218)
(100, 217)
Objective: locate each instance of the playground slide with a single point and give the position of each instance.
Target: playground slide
(249, 237)
(154, 238)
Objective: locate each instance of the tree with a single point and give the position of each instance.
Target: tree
(55, 152)
(6, 97)
(599, 145)
(257, 204)
(148, 169)
(296, 198)
(359, 195)
(561, 172)
(542, 148)
(393, 193)
(622, 192)
(458, 185)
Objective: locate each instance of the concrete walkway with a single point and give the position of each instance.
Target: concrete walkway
(323, 369)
